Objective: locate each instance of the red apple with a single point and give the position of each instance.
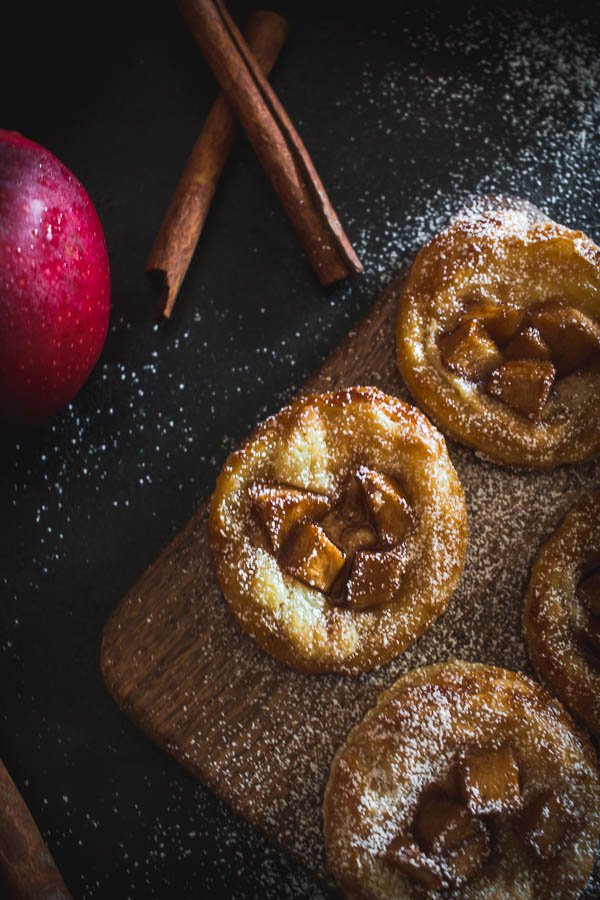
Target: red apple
(54, 283)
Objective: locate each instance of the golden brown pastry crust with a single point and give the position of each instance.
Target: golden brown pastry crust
(417, 732)
(553, 614)
(315, 445)
(501, 257)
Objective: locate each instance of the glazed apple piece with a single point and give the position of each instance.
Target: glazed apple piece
(469, 351)
(501, 321)
(375, 576)
(573, 337)
(347, 523)
(442, 823)
(279, 508)
(405, 856)
(490, 781)
(524, 385)
(547, 823)
(527, 344)
(468, 858)
(387, 504)
(309, 555)
(357, 538)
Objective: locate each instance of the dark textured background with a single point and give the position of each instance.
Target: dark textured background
(407, 114)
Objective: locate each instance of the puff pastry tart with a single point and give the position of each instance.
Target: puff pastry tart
(465, 780)
(561, 617)
(498, 336)
(338, 530)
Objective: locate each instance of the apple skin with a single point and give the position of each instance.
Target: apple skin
(54, 284)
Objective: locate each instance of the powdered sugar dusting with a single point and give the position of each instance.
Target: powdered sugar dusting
(510, 512)
(535, 75)
(417, 736)
(503, 101)
(318, 444)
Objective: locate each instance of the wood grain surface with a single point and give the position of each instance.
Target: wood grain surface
(261, 735)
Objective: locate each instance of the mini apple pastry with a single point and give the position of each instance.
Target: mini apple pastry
(338, 530)
(498, 336)
(561, 616)
(464, 780)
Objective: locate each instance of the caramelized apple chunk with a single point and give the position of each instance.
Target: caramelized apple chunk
(279, 507)
(404, 855)
(527, 344)
(490, 781)
(347, 522)
(547, 824)
(309, 555)
(375, 576)
(469, 351)
(573, 337)
(359, 537)
(448, 830)
(524, 385)
(501, 321)
(468, 858)
(443, 823)
(387, 505)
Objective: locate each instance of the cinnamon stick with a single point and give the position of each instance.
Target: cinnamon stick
(27, 871)
(274, 139)
(185, 216)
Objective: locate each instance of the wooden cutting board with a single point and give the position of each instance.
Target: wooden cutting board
(261, 735)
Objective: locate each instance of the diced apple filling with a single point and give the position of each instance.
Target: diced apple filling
(573, 337)
(469, 351)
(347, 523)
(490, 781)
(350, 546)
(442, 823)
(405, 856)
(468, 858)
(309, 555)
(550, 333)
(387, 505)
(527, 344)
(375, 576)
(359, 538)
(547, 823)
(524, 385)
(501, 321)
(279, 508)
(448, 830)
